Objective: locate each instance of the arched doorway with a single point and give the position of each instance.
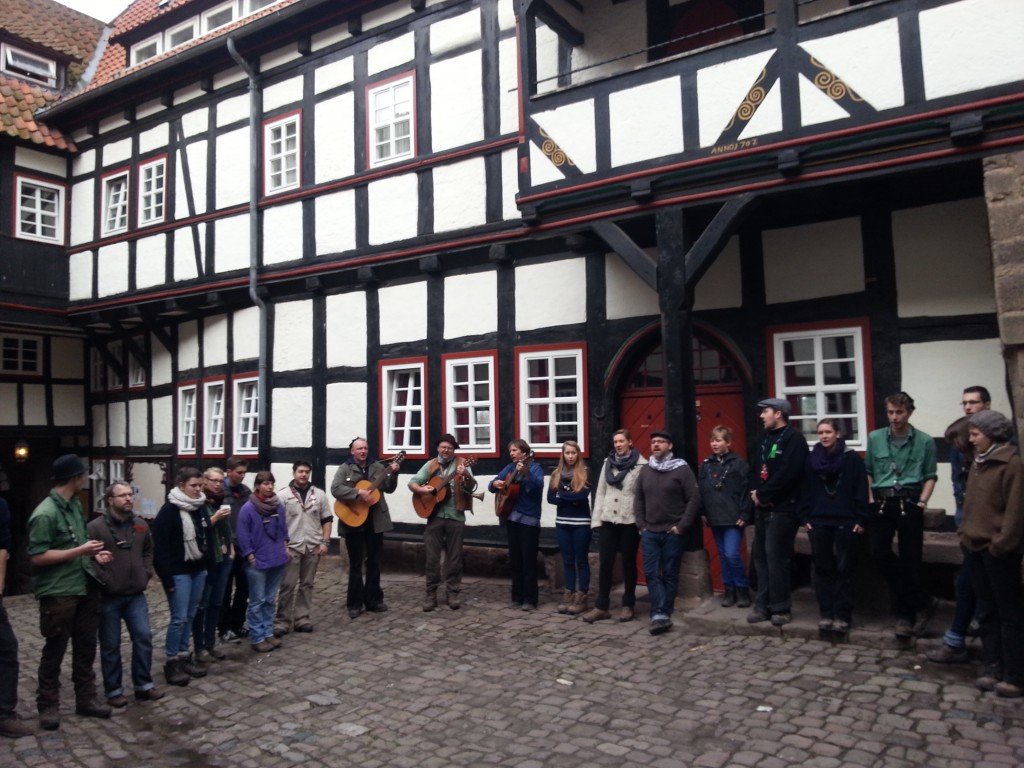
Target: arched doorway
(720, 400)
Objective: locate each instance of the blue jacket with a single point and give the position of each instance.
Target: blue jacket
(528, 503)
(572, 507)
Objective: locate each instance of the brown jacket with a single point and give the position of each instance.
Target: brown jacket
(994, 504)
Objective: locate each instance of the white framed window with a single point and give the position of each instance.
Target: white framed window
(98, 485)
(147, 49)
(821, 373)
(136, 372)
(470, 403)
(182, 33)
(251, 6)
(115, 203)
(152, 191)
(27, 65)
(247, 415)
(97, 371)
(40, 211)
(390, 112)
(218, 16)
(114, 380)
(551, 397)
(213, 414)
(404, 402)
(187, 420)
(281, 154)
(21, 354)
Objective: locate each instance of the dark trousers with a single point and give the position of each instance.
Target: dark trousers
(363, 544)
(774, 532)
(8, 666)
(997, 586)
(834, 550)
(443, 535)
(617, 539)
(903, 519)
(965, 610)
(204, 625)
(236, 597)
(62, 620)
(523, 543)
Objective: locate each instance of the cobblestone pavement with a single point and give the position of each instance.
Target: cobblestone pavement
(487, 685)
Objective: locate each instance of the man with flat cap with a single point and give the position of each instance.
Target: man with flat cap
(666, 504)
(777, 471)
(61, 554)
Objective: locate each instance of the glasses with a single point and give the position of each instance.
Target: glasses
(965, 403)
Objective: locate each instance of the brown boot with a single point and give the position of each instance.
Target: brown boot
(579, 604)
(596, 614)
(627, 613)
(567, 599)
(430, 602)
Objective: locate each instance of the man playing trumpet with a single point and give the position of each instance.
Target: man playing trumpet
(447, 521)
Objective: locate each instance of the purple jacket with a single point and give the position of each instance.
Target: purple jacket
(264, 537)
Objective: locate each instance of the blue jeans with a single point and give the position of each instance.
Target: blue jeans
(263, 586)
(134, 611)
(574, 544)
(728, 539)
(204, 625)
(966, 605)
(8, 667)
(183, 602)
(663, 552)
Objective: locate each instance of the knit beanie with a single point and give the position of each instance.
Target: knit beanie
(996, 427)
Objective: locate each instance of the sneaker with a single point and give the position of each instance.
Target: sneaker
(986, 683)
(93, 708)
(840, 626)
(378, 608)
(304, 628)
(515, 606)
(781, 619)
(263, 647)
(904, 629)
(626, 614)
(117, 702)
(243, 632)
(13, 728)
(756, 617)
(150, 694)
(660, 626)
(1008, 690)
(596, 614)
(826, 625)
(217, 653)
(229, 636)
(529, 607)
(49, 718)
(354, 612)
(947, 654)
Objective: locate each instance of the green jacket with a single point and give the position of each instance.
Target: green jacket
(59, 524)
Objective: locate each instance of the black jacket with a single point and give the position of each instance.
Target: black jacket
(782, 454)
(839, 500)
(723, 489)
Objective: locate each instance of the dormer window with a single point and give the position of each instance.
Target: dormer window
(182, 33)
(147, 49)
(219, 16)
(28, 66)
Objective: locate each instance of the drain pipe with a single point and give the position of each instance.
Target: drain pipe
(255, 112)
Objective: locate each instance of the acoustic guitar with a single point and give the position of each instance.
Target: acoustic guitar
(505, 500)
(353, 513)
(424, 505)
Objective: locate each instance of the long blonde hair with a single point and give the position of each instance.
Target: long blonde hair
(579, 472)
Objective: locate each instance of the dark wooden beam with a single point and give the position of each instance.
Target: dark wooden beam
(636, 258)
(725, 224)
(304, 45)
(355, 26)
(559, 24)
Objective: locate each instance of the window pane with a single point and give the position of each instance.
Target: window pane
(837, 347)
(840, 373)
(798, 350)
(565, 366)
(799, 375)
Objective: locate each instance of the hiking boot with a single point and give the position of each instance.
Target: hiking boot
(660, 626)
(93, 708)
(205, 657)
(904, 629)
(117, 702)
(729, 598)
(275, 642)
(13, 728)
(453, 600)
(826, 625)
(947, 654)
(743, 598)
(174, 674)
(596, 614)
(756, 617)
(263, 647)
(1008, 690)
(627, 613)
(430, 603)
(925, 617)
(579, 604)
(192, 668)
(49, 718)
(986, 682)
(567, 600)
(304, 628)
(150, 694)
(217, 653)
(781, 619)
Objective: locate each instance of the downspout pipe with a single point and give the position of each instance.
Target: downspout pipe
(255, 112)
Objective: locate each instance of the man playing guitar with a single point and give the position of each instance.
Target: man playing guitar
(447, 520)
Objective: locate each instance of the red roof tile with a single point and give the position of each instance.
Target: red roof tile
(18, 102)
(53, 26)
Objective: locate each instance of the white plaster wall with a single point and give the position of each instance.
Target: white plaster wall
(509, 184)
(455, 206)
(470, 304)
(83, 212)
(394, 208)
(292, 415)
(138, 422)
(721, 88)
(293, 337)
(385, 15)
(197, 174)
(813, 260)
(66, 358)
(943, 262)
(611, 31)
(506, 16)
(547, 59)
(815, 107)
(84, 162)
(722, 285)
(626, 295)
(148, 108)
(768, 118)
(403, 312)
(109, 124)
(117, 424)
(116, 152)
(942, 496)
(551, 294)
(80, 275)
(508, 86)
(346, 413)
(8, 404)
(188, 346)
(99, 426)
(37, 161)
(456, 91)
(215, 340)
(195, 122)
(228, 76)
(163, 420)
(154, 138)
(113, 269)
(970, 45)
(282, 94)
(159, 362)
(334, 133)
(279, 57)
(282, 233)
(151, 261)
(390, 53)
(246, 334)
(148, 477)
(68, 405)
(231, 243)
(188, 93)
(455, 32)
(329, 37)
(646, 121)
(232, 182)
(232, 110)
(185, 251)
(34, 403)
(332, 75)
(346, 320)
(572, 128)
(335, 222)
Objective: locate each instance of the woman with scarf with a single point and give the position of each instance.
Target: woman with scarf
(180, 541)
(263, 542)
(619, 536)
(569, 492)
(834, 510)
